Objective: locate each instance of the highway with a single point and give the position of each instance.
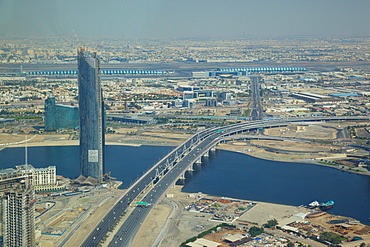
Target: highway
(156, 181)
(257, 111)
(126, 234)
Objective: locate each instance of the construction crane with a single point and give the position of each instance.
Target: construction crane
(78, 41)
(107, 178)
(99, 46)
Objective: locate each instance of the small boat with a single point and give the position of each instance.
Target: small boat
(314, 204)
(327, 205)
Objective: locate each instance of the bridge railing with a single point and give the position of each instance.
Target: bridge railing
(231, 130)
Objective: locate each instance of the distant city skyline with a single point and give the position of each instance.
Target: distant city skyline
(186, 19)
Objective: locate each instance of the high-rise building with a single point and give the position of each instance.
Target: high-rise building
(58, 116)
(17, 198)
(18, 216)
(91, 113)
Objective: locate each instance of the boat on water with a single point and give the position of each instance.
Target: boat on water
(314, 204)
(327, 205)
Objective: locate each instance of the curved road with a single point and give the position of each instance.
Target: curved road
(156, 181)
(175, 212)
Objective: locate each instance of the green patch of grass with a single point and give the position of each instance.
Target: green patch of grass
(324, 163)
(354, 170)
(85, 200)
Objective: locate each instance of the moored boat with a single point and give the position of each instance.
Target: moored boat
(327, 205)
(314, 204)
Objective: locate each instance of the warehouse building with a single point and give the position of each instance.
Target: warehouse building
(315, 98)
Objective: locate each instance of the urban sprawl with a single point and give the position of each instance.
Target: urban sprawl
(162, 92)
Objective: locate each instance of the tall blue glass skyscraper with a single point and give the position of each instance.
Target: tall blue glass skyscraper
(91, 113)
(58, 116)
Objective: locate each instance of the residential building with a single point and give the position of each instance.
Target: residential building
(18, 219)
(17, 198)
(42, 179)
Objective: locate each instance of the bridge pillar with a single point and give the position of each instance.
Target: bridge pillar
(188, 174)
(199, 161)
(206, 154)
(213, 149)
(181, 179)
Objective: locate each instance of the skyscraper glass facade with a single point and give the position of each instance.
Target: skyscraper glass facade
(59, 116)
(91, 115)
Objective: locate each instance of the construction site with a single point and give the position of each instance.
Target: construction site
(58, 215)
(58, 224)
(221, 209)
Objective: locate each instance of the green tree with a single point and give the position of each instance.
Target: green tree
(271, 223)
(290, 244)
(332, 237)
(161, 120)
(255, 231)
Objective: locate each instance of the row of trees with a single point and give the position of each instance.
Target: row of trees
(202, 234)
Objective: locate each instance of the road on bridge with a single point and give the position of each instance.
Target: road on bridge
(156, 181)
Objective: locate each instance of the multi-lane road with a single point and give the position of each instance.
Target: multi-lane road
(155, 182)
(257, 111)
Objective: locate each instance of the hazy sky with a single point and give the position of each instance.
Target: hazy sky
(186, 18)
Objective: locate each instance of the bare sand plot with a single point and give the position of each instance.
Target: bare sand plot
(15, 139)
(292, 146)
(307, 132)
(169, 135)
(63, 220)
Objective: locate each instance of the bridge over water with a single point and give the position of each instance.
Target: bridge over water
(153, 185)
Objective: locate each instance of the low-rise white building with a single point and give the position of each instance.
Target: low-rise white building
(43, 179)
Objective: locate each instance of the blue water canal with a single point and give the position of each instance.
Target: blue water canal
(225, 173)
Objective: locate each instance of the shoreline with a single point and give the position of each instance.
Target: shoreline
(184, 225)
(71, 143)
(303, 162)
(228, 148)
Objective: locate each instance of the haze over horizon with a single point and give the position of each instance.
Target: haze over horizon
(184, 19)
